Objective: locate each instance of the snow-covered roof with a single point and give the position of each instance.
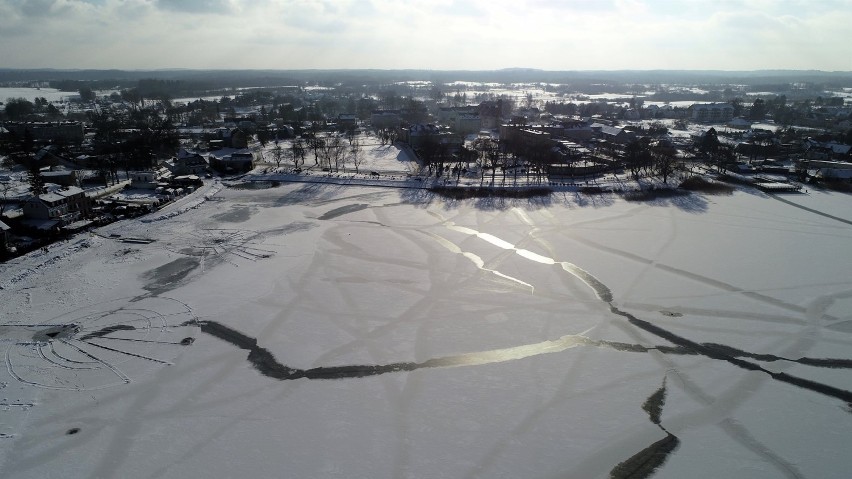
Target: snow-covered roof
(184, 153)
(606, 129)
(739, 122)
(50, 197)
(69, 191)
(423, 129)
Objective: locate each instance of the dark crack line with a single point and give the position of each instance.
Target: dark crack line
(716, 353)
(178, 343)
(644, 463)
(810, 210)
(266, 363)
(107, 330)
(127, 353)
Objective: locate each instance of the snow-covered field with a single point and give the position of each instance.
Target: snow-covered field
(323, 331)
(373, 156)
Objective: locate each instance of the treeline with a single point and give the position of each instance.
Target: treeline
(146, 87)
(585, 81)
(77, 85)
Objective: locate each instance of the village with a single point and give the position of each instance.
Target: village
(90, 158)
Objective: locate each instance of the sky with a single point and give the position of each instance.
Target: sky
(427, 34)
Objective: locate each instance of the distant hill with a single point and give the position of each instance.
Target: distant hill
(233, 78)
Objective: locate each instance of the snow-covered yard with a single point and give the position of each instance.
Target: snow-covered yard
(320, 330)
(373, 156)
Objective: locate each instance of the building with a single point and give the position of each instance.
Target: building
(712, 112)
(523, 138)
(5, 232)
(491, 113)
(417, 135)
(187, 163)
(612, 134)
(235, 162)
(385, 118)
(466, 124)
(347, 121)
(829, 151)
(464, 120)
(61, 177)
(65, 131)
(143, 179)
(64, 205)
(246, 123)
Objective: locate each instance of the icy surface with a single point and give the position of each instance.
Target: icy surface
(311, 330)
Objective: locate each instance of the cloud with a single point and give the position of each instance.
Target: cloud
(431, 34)
(197, 6)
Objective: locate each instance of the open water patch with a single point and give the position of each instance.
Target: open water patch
(170, 275)
(343, 210)
(237, 214)
(255, 185)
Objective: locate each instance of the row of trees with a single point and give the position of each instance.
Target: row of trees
(22, 109)
(331, 153)
(641, 157)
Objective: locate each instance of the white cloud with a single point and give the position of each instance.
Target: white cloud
(433, 34)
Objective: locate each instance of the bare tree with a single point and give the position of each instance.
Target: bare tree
(665, 163)
(637, 156)
(332, 153)
(356, 153)
(297, 152)
(278, 154)
(488, 155)
(316, 144)
(6, 190)
(337, 153)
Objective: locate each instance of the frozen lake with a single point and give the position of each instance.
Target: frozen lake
(311, 330)
(50, 94)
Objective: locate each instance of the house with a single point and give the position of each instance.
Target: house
(712, 112)
(739, 124)
(239, 138)
(632, 114)
(143, 179)
(235, 162)
(612, 134)
(64, 205)
(5, 232)
(244, 123)
(187, 163)
(818, 150)
(347, 121)
(61, 176)
(49, 155)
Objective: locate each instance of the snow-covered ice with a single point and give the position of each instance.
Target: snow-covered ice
(319, 330)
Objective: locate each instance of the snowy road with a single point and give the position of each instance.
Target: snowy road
(311, 330)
